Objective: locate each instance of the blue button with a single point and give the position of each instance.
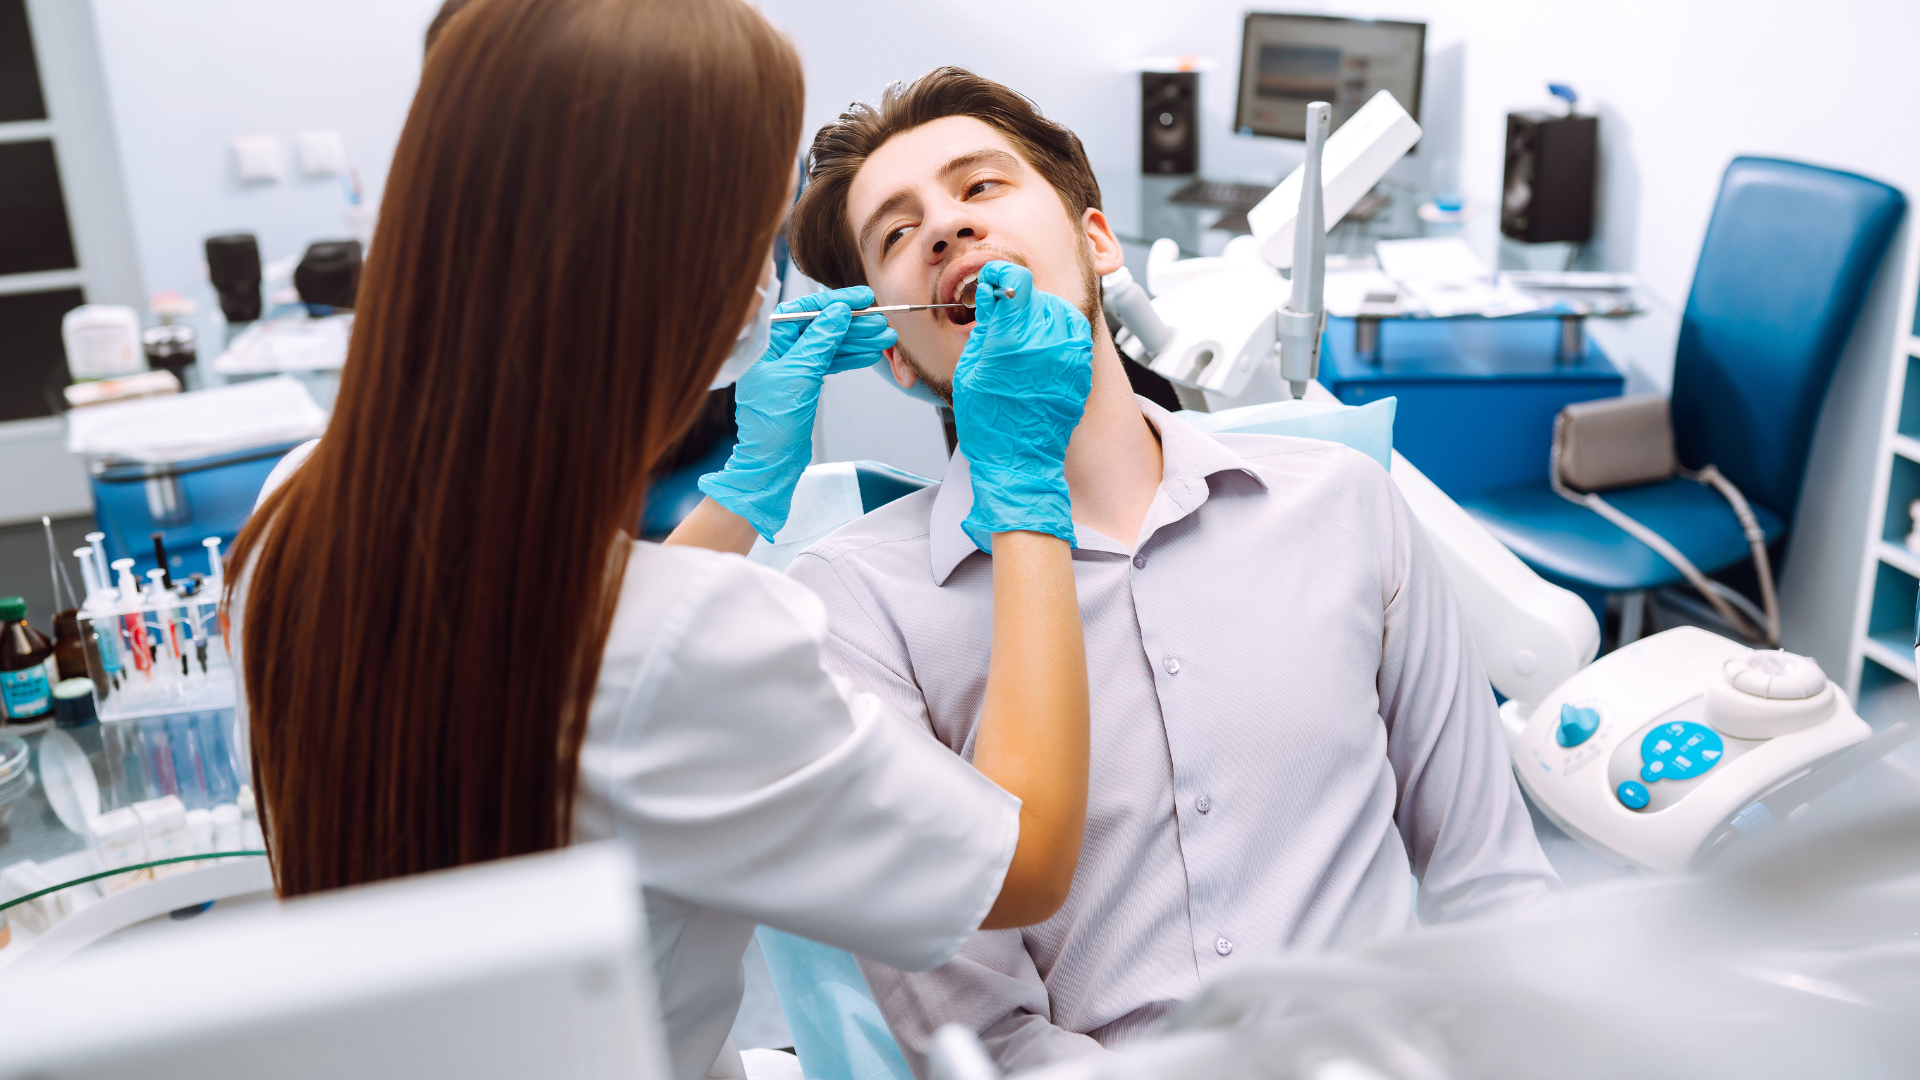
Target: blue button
(1681, 750)
(1631, 795)
(1576, 726)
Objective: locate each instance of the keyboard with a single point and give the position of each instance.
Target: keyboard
(1220, 195)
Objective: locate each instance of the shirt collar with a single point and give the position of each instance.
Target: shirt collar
(1188, 457)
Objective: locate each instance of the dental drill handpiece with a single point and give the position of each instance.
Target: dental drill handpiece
(795, 316)
(1298, 325)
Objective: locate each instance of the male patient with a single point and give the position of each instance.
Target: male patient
(1289, 717)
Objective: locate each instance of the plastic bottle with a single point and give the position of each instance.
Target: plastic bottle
(27, 666)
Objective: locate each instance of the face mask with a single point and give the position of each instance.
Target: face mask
(752, 342)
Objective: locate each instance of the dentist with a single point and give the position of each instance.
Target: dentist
(453, 650)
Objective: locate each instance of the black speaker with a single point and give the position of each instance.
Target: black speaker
(233, 262)
(1548, 193)
(1169, 137)
(329, 274)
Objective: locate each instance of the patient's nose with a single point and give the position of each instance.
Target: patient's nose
(941, 246)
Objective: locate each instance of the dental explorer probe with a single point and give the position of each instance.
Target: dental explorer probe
(794, 316)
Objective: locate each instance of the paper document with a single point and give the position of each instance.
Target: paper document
(1355, 286)
(289, 343)
(1443, 277)
(1569, 279)
(184, 427)
(1583, 292)
(1446, 258)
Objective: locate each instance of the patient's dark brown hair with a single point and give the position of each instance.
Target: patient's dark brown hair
(582, 200)
(819, 232)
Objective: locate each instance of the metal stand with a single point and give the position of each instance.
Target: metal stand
(1573, 339)
(1366, 339)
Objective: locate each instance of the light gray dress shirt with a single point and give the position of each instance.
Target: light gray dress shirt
(1289, 717)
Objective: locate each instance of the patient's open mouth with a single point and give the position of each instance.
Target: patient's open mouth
(963, 296)
(956, 284)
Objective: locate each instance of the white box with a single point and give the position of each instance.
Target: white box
(1354, 159)
(322, 153)
(26, 877)
(163, 824)
(116, 836)
(260, 158)
(102, 341)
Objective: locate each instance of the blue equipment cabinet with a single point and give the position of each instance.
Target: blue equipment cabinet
(1477, 396)
(185, 501)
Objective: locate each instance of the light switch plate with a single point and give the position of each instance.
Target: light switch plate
(260, 158)
(322, 153)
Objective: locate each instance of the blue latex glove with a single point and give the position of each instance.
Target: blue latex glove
(775, 400)
(1018, 392)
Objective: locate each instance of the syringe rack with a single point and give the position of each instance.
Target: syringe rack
(157, 656)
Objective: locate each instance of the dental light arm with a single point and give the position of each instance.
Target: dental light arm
(1298, 325)
(1217, 320)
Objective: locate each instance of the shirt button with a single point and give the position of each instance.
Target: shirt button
(1222, 946)
(1139, 562)
(1173, 666)
(1203, 804)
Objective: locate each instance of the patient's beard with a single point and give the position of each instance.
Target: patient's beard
(1089, 306)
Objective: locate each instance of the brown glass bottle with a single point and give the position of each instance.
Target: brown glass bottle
(69, 649)
(27, 667)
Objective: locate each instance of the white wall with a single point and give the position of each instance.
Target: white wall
(186, 76)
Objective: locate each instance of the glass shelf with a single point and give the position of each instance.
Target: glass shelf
(135, 868)
(112, 807)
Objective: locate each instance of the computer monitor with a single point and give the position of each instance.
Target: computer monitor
(1287, 61)
(529, 967)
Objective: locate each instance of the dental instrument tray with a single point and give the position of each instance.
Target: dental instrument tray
(1663, 753)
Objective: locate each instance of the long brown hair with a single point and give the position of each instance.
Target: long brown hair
(582, 200)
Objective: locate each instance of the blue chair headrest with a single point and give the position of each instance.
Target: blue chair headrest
(1784, 270)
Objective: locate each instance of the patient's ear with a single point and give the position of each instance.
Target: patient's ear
(902, 374)
(1107, 256)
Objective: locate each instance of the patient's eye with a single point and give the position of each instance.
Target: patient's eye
(894, 237)
(981, 186)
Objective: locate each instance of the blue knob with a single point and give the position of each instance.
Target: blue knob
(1631, 794)
(1577, 725)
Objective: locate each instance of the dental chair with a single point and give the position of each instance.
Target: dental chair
(1784, 270)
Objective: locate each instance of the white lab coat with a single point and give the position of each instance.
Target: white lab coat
(754, 788)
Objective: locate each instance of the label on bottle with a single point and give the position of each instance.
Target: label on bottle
(28, 693)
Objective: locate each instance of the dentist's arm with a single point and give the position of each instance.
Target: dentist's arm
(714, 527)
(1033, 730)
(1018, 392)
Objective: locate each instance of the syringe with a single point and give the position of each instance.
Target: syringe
(894, 309)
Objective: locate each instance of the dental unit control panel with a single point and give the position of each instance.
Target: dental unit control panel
(1665, 751)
